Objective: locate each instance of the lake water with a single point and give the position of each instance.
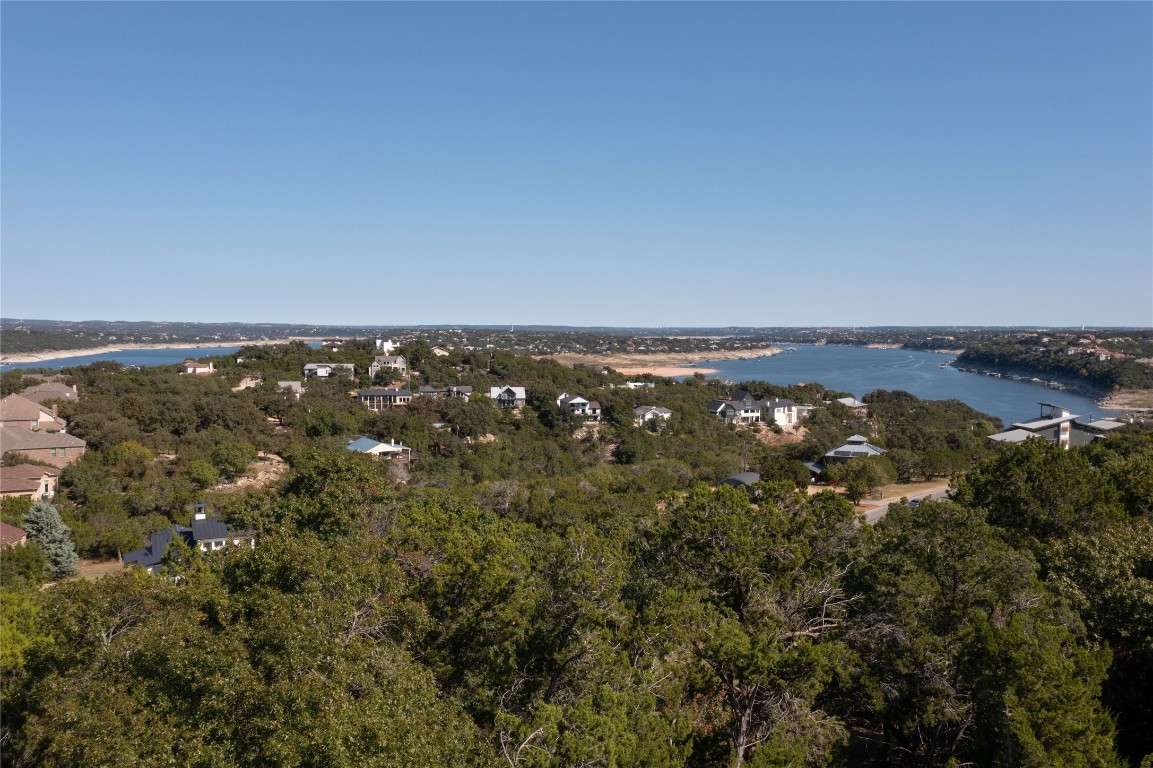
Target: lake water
(861, 370)
(130, 357)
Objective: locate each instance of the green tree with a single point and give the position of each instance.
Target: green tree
(44, 526)
(965, 656)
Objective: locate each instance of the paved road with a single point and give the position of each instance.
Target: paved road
(875, 510)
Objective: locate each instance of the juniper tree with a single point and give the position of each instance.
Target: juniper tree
(44, 526)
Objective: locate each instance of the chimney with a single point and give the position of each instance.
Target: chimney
(55, 411)
(198, 512)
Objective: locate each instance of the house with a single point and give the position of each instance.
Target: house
(19, 411)
(780, 410)
(30, 480)
(197, 368)
(332, 344)
(396, 363)
(248, 382)
(1059, 425)
(385, 346)
(51, 390)
(390, 450)
(379, 399)
(589, 410)
(464, 392)
(56, 448)
(743, 408)
(854, 448)
(639, 385)
(508, 397)
(742, 480)
(293, 387)
(440, 352)
(11, 536)
(427, 391)
(853, 403)
(645, 413)
(324, 370)
(205, 533)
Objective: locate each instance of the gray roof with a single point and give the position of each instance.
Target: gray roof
(1044, 422)
(208, 528)
(856, 446)
(17, 439)
(1013, 436)
(383, 393)
(1102, 425)
(745, 479)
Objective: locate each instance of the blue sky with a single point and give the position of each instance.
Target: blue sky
(653, 164)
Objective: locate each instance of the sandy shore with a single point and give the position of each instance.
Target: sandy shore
(1128, 400)
(662, 364)
(57, 354)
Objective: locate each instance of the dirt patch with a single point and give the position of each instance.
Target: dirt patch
(661, 363)
(266, 470)
(788, 436)
(95, 569)
(1129, 400)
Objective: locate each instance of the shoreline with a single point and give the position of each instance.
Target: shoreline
(663, 364)
(62, 354)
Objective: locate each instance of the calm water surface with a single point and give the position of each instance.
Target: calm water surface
(130, 357)
(860, 370)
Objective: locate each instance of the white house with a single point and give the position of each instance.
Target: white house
(197, 368)
(390, 450)
(645, 413)
(395, 363)
(324, 370)
(294, 387)
(589, 410)
(780, 410)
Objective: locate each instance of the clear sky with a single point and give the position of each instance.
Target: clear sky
(651, 164)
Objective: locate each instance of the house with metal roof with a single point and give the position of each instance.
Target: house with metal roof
(742, 480)
(854, 448)
(1059, 425)
(852, 402)
(464, 392)
(379, 399)
(207, 534)
(646, 413)
(508, 397)
(393, 449)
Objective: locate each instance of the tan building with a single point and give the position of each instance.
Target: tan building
(11, 536)
(29, 480)
(19, 411)
(56, 448)
(51, 390)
